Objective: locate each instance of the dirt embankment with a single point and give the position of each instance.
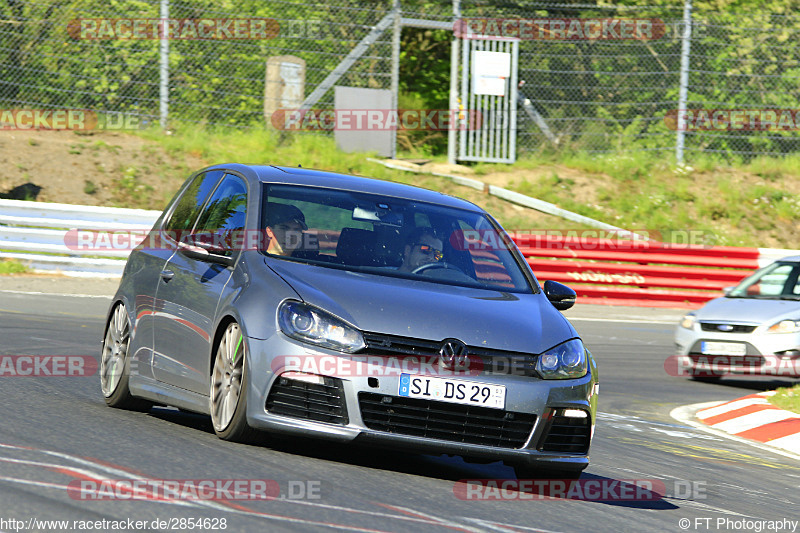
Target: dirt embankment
(100, 168)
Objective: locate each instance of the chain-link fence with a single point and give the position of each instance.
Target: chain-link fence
(86, 54)
(588, 94)
(618, 94)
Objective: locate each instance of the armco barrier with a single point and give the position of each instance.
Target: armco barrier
(34, 233)
(641, 273)
(618, 272)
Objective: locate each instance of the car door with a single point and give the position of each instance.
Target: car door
(146, 264)
(189, 290)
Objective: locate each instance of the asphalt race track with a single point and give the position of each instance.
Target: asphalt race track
(58, 430)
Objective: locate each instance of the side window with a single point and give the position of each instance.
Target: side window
(771, 284)
(191, 201)
(223, 218)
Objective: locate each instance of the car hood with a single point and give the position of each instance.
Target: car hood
(748, 310)
(396, 306)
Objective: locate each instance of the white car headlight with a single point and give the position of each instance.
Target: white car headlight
(568, 360)
(785, 326)
(314, 326)
(688, 321)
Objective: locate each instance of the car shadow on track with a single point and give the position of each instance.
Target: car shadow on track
(751, 384)
(591, 487)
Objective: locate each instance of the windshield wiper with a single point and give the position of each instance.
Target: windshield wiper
(790, 297)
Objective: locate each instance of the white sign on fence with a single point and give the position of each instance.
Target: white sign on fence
(490, 71)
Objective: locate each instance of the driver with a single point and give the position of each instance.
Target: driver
(284, 228)
(423, 248)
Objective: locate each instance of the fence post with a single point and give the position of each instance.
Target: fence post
(684, 80)
(455, 122)
(396, 29)
(163, 50)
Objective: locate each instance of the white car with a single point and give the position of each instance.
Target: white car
(754, 329)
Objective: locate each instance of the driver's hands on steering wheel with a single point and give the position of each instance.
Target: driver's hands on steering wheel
(443, 264)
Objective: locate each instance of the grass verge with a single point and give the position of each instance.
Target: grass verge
(730, 202)
(262, 147)
(11, 266)
(787, 398)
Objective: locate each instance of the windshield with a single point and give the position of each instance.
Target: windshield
(389, 236)
(776, 281)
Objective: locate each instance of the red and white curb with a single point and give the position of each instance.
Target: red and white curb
(753, 417)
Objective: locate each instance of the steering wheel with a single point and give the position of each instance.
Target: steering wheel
(443, 264)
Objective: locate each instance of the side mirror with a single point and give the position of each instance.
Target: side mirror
(561, 296)
(196, 248)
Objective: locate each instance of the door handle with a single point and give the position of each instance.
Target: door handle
(167, 275)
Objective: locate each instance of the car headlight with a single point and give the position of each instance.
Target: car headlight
(688, 321)
(315, 326)
(785, 326)
(566, 361)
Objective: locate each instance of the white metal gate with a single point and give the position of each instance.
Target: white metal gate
(488, 126)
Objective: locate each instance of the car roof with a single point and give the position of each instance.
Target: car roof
(333, 180)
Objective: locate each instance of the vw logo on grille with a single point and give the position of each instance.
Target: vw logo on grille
(725, 327)
(453, 354)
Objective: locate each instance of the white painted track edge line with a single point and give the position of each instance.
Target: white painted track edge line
(39, 293)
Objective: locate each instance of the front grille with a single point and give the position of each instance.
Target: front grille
(737, 328)
(568, 434)
(310, 401)
(491, 361)
(445, 421)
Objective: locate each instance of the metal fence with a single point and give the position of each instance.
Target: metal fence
(594, 95)
(622, 95)
(48, 59)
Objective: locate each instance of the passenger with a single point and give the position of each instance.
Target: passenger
(423, 248)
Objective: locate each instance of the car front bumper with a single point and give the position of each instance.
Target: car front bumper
(764, 354)
(546, 423)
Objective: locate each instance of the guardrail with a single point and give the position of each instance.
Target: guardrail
(642, 273)
(618, 272)
(35, 233)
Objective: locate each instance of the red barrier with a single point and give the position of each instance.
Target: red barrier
(640, 273)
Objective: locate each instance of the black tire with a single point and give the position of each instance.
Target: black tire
(229, 372)
(115, 364)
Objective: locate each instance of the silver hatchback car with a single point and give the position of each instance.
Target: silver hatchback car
(754, 329)
(294, 301)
